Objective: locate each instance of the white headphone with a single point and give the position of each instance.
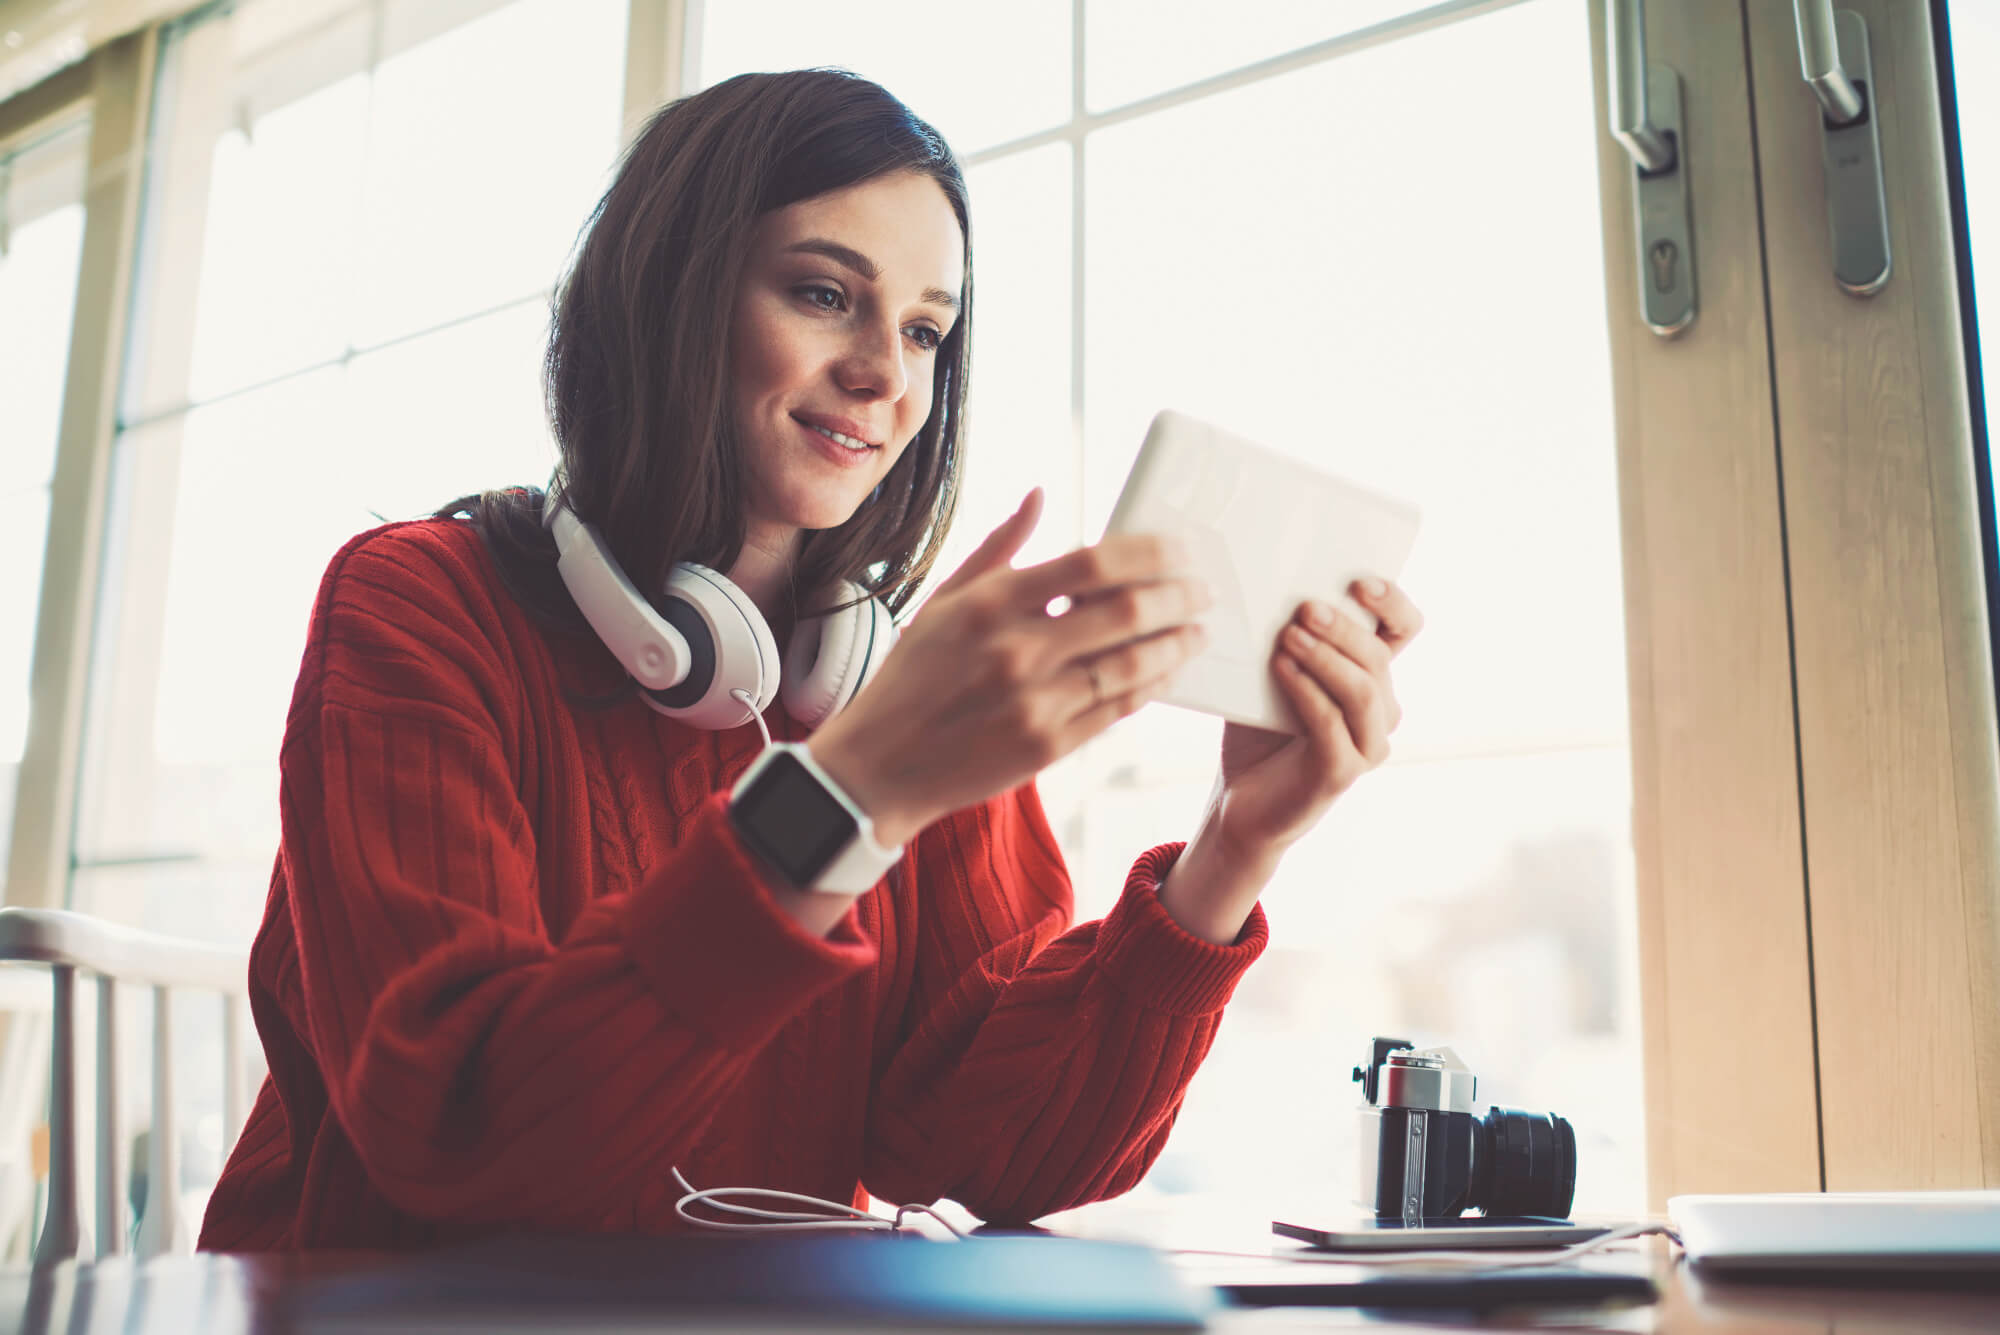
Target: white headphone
(703, 639)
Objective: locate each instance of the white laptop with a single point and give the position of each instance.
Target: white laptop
(1880, 1230)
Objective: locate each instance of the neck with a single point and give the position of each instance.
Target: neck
(763, 570)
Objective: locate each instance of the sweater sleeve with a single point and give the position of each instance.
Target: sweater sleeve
(483, 1068)
(1042, 1067)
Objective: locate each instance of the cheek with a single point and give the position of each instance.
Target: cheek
(764, 359)
(915, 408)
(755, 370)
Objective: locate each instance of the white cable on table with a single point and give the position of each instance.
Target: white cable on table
(826, 1215)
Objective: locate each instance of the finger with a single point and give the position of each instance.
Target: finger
(1093, 721)
(1399, 616)
(1132, 612)
(1127, 558)
(1132, 668)
(1346, 634)
(1326, 729)
(1353, 688)
(1000, 546)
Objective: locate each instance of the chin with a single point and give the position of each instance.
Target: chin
(821, 512)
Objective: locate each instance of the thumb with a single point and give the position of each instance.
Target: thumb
(1000, 546)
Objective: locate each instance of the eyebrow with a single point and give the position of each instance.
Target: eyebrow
(849, 258)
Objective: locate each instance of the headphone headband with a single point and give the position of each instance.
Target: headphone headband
(704, 639)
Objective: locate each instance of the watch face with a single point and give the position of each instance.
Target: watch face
(791, 819)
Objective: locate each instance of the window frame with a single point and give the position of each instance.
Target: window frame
(113, 85)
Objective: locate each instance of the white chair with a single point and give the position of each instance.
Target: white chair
(72, 943)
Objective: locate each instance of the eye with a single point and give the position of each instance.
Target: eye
(820, 295)
(928, 337)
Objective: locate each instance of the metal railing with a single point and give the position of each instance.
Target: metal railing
(69, 943)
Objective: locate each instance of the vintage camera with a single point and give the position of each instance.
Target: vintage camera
(1424, 1155)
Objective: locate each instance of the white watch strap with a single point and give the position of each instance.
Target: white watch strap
(863, 862)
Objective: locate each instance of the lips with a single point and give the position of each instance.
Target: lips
(841, 431)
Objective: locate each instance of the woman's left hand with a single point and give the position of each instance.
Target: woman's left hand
(1335, 674)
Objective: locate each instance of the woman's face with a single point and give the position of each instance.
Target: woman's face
(845, 299)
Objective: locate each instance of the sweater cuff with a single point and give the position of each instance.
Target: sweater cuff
(716, 947)
(1158, 962)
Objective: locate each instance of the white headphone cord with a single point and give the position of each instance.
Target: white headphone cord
(841, 1216)
(826, 1214)
(749, 702)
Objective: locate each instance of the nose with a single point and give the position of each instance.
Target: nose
(872, 365)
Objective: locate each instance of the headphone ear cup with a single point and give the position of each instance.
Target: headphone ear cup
(732, 650)
(830, 658)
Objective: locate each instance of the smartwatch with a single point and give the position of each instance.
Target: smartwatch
(791, 813)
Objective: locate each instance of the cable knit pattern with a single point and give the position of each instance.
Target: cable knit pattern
(515, 965)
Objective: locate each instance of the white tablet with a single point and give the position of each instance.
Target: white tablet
(1267, 533)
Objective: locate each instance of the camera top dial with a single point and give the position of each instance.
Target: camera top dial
(1430, 1078)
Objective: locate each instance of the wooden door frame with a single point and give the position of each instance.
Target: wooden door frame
(1899, 762)
(1725, 976)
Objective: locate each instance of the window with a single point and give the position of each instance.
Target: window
(41, 241)
(1479, 890)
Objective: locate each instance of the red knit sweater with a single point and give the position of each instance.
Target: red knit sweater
(515, 965)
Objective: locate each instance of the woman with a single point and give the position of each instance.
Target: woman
(521, 963)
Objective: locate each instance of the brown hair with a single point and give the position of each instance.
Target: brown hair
(637, 371)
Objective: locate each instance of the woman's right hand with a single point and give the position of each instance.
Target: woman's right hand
(985, 687)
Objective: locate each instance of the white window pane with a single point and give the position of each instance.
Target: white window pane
(487, 148)
(1018, 421)
(346, 208)
(21, 547)
(277, 256)
(1975, 46)
(1339, 293)
(452, 412)
(981, 73)
(37, 301)
(1135, 48)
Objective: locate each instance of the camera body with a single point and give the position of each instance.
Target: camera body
(1426, 1155)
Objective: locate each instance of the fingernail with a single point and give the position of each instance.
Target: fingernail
(1319, 614)
(1374, 588)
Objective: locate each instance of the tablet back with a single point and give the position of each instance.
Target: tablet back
(1267, 533)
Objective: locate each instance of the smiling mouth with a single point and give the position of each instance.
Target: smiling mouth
(844, 441)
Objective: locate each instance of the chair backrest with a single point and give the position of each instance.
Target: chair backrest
(72, 943)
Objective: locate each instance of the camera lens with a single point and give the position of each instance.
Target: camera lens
(1529, 1164)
